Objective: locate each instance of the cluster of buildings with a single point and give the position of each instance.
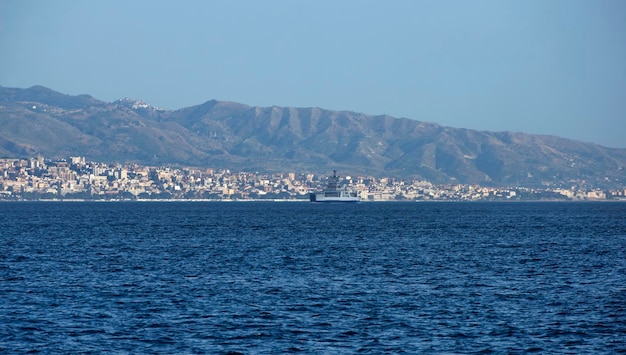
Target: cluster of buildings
(77, 179)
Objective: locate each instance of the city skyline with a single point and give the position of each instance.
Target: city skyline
(75, 178)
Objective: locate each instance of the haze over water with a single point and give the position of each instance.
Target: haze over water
(298, 277)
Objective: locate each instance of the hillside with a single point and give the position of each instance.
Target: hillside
(224, 134)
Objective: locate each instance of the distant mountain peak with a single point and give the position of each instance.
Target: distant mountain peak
(278, 139)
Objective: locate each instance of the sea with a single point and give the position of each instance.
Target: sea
(298, 277)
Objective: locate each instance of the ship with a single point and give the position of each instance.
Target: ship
(334, 193)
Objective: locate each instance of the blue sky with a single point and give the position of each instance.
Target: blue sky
(553, 67)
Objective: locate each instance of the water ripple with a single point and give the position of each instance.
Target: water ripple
(304, 278)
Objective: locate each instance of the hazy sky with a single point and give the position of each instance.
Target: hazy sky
(537, 66)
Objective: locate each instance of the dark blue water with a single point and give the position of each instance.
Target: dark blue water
(299, 277)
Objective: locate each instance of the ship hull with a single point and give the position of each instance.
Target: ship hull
(320, 197)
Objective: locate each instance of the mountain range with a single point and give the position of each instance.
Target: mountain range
(219, 134)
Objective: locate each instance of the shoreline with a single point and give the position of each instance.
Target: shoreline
(306, 201)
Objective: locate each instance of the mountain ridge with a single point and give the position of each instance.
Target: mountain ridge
(232, 135)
